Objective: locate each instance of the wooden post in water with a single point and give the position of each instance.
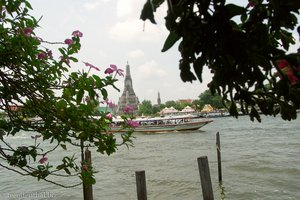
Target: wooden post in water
(88, 190)
(218, 143)
(206, 185)
(141, 185)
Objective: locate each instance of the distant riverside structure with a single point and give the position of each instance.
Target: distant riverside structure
(128, 97)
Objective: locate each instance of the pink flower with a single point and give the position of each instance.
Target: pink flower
(120, 72)
(66, 60)
(286, 68)
(42, 55)
(91, 66)
(77, 34)
(43, 159)
(85, 167)
(69, 42)
(49, 53)
(283, 63)
(108, 116)
(252, 3)
(110, 103)
(108, 71)
(132, 123)
(128, 109)
(27, 32)
(113, 68)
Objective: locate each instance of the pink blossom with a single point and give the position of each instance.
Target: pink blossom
(77, 34)
(27, 32)
(66, 60)
(110, 103)
(49, 53)
(283, 63)
(113, 68)
(132, 123)
(128, 109)
(120, 72)
(69, 42)
(91, 66)
(108, 116)
(42, 55)
(108, 71)
(287, 69)
(252, 3)
(43, 159)
(85, 167)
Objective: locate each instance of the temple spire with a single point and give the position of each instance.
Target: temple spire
(128, 97)
(158, 98)
(128, 70)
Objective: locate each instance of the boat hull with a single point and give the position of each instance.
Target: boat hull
(194, 125)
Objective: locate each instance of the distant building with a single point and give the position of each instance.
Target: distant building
(158, 99)
(186, 100)
(128, 97)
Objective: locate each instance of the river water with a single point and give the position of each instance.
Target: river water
(259, 161)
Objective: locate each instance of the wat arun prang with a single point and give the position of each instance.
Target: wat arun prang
(128, 97)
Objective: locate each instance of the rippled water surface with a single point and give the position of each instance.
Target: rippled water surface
(259, 161)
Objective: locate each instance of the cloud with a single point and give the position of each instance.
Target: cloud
(93, 5)
(150, 70)
(129, 8)
(134, 54)
(132, 29)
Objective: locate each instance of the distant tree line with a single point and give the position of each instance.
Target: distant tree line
(148, 109)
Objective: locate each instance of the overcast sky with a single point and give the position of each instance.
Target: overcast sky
(114, 34)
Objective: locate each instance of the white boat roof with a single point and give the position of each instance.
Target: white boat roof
(157, 118)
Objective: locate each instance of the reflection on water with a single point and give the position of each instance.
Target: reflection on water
(259, 161)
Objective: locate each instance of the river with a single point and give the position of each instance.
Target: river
(260, 161)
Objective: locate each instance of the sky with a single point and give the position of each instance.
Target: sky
(114, 34)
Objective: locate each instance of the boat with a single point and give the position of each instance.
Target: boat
(166, 124)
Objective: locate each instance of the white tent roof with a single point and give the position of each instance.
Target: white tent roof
(168, 110)
(188, 109)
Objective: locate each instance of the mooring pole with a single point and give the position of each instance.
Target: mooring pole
(218, 144)
(88, 189)
(141, 185)
(205, 179)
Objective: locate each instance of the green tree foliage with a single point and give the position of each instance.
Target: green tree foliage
(36, 83)
(170, 104)
(145, 108)
(247, 49)
(207, 98)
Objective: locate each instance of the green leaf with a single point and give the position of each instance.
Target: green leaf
(62, 51)
(67, 171)
(98, 80)
(63, 146)
(79, 96)
(73, 59)
(235, 10)
(233, 110)
(170, 41)
(244, 17)
(198, 68)
(28, 5)
(104, 93)
(147, 12)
